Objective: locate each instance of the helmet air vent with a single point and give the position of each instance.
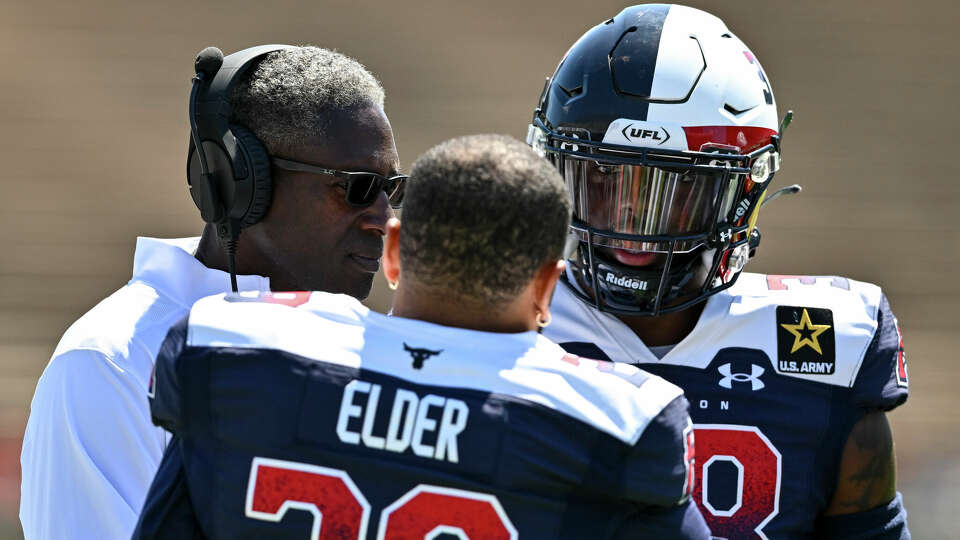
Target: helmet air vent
(735, 111)
(572, 92)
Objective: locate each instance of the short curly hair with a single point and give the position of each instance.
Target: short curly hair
(293, 94)
(481, 215)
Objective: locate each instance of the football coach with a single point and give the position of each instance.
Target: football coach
(296, 151)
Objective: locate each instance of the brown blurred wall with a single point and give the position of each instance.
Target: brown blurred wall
(93, 109)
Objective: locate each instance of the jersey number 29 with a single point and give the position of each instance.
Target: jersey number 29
(341, 511)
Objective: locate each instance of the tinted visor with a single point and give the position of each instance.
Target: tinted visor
(654, 205)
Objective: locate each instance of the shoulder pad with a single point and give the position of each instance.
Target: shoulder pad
(813, 328)
(817, 328)
(602, 394)
(282, 321)
(617, 398)
(882, 381)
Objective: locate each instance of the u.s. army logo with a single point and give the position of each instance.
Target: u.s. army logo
(805, 340)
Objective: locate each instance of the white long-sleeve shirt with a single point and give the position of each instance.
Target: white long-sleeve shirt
(90, 449)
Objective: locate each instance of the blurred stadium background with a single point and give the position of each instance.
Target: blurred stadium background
(93, 108)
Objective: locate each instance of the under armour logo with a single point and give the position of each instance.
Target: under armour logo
(753, 377)
(420, 355)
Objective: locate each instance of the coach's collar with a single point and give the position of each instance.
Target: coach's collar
(169, 266)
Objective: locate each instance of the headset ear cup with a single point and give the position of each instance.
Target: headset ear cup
(259, 162)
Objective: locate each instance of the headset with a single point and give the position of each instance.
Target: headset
(228, 168)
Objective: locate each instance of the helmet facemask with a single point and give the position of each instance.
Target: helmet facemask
(658, 230)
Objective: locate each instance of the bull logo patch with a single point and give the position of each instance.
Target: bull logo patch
(420, 356)
(805, 340)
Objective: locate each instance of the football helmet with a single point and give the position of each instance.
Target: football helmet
(664, 127)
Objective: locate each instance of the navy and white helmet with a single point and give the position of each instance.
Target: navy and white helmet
(665, 129)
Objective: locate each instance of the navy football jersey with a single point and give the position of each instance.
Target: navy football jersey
(299, 415)
(777, 371)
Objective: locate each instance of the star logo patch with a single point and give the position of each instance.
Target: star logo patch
(806, 333)
(805, 340)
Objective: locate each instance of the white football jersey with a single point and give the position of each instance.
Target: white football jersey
(777, 370)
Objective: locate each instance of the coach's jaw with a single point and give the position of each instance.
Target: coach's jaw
(416, 301)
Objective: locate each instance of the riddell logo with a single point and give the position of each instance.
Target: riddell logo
(625, 282)
(742, 208)
(659, 136)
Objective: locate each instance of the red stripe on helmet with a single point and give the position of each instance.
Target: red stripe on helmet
(746, 138)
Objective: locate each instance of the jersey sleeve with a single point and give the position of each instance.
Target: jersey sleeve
(882, 381)
(888, 522)
(165, 388)
(657, 478)
(168, 512)
(658, 469)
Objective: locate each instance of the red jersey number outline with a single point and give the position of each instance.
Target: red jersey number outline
(689, 459)
(317, 489)
(413, 508)
(276, 486)
(755, 458)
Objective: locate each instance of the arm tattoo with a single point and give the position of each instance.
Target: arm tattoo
(867, 475)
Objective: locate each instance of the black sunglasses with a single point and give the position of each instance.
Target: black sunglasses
(362, 187)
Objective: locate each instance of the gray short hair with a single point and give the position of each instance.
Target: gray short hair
(481, 215)
(292, 95)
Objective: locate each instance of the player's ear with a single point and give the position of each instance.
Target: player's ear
(391, 252)
(544, 283)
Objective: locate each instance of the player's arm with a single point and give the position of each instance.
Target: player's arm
(658, 477)
(867, 477)
(89, 450)
(865, 503)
